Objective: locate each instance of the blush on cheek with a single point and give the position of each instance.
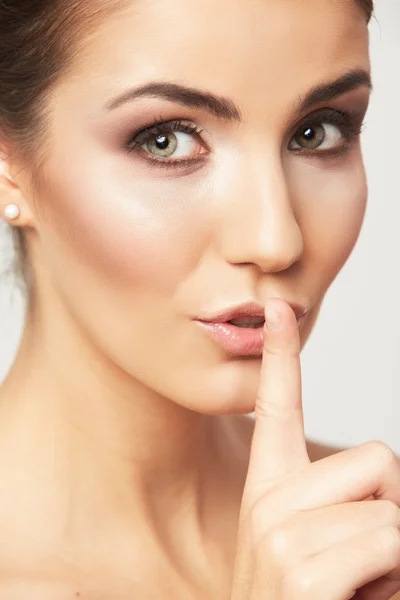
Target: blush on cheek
(331, 211)
(121, 237)
(346, 218)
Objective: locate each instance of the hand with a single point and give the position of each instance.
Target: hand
(309, 531)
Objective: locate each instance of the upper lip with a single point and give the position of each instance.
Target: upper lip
(250, 309)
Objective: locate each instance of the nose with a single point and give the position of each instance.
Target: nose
(260, 227)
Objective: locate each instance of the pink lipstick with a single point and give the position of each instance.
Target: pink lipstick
(240, 331)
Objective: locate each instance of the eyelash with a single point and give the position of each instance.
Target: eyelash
(349, 125)
(161, 127)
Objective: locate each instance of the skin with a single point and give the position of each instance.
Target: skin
(121, 421)
(297, 538)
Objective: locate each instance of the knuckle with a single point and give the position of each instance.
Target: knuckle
(266, 408)
(390, 510)
(262, 408)
(388, 540)
(278, 545)
(257, 513)
(265, 510)
(257, 520)
(280, 412)
(382, 453)
(300, 582)
(266, 518)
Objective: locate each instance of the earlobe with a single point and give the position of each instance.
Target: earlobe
(12, 211)
(13, 208)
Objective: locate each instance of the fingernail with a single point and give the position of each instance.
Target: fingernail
(272, 318)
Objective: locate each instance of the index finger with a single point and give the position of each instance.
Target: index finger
(279, 445)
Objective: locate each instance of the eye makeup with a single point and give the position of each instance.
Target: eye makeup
(349, 126)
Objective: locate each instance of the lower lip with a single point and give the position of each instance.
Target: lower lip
(238, 341)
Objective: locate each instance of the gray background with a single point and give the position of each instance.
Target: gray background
(351, 365)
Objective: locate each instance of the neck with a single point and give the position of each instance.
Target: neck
(103, 443)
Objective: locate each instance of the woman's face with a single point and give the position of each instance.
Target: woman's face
(204, 155)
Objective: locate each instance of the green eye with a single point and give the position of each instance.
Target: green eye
(167, 144)
(162, 145)
(311, 137)
(319, 136)
(171, 144)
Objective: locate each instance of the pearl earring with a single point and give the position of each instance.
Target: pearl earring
(11, 211)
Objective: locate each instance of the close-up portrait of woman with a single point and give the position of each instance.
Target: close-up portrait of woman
(182, 181)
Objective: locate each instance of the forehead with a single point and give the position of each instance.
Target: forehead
(278, 48)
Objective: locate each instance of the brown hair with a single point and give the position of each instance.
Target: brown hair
(38, 40)
(367, 6)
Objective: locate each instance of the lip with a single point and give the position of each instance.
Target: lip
(238, 341)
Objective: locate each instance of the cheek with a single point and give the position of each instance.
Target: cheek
(122, 229)
(330, 205)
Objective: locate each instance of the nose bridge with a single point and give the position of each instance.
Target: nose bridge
(262, 227)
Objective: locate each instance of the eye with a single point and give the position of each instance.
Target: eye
(175, 140)
(171, 145)
(319, 136)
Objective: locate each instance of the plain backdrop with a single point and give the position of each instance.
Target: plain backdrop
(351, 365)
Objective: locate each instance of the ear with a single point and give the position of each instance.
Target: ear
(13, 207)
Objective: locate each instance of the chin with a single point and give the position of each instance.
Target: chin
(225, 389)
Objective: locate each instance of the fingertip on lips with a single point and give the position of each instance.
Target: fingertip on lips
(277, 312)
(281, 319)
(273, 316)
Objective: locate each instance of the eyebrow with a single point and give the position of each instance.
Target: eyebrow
(220, 107)
(329, 91)
(226, 109)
